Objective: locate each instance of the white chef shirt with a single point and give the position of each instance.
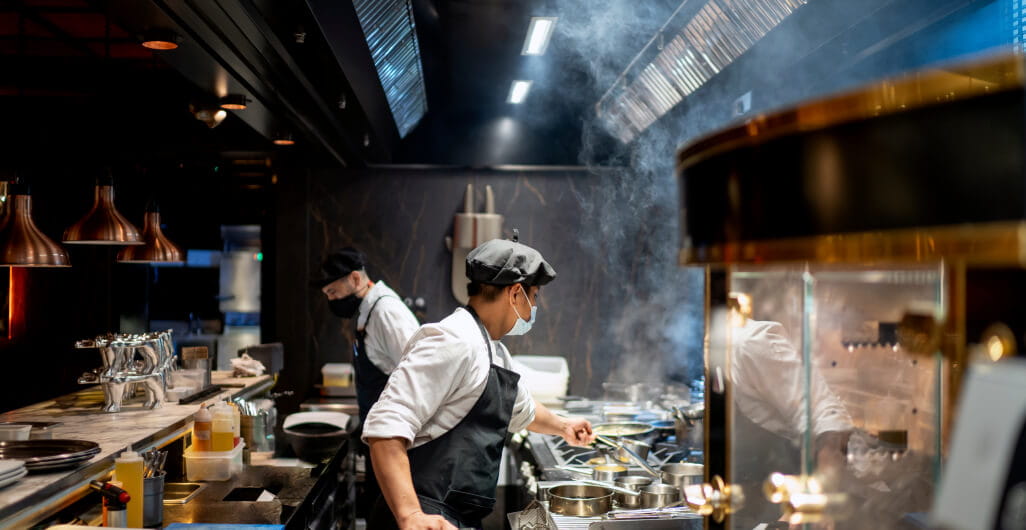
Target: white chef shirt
(443, 372)
(768, 378)
(390, 326)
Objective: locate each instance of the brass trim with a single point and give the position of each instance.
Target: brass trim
(986, 244)
(920, 89)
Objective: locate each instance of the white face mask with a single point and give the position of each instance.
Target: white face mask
(522, 326)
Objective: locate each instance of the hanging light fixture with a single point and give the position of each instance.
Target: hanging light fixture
(156, 247)
(103, 225)
(22, 244)
(234, 102)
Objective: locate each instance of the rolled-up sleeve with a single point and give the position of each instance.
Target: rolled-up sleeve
(425, 378)
(523, 410)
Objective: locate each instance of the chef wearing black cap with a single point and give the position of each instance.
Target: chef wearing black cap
(383, 322)
(383, 325)
(436, 434)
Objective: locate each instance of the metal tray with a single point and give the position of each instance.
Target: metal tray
(47, 451)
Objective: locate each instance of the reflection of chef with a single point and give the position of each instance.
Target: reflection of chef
(768, 378)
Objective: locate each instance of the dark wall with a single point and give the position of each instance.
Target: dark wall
(620, 309)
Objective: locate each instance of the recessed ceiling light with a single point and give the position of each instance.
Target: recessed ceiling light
(284, 139)
(160, 39)
(518, 92)
(234, 102)
(538, 34)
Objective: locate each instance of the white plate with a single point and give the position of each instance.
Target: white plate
(12, 479)
(12, 472)
(10, 466)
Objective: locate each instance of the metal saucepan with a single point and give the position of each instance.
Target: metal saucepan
(623, 430)
(659, 495)
(580, 500)
(682, 475)
(640, 448)
(632, 482)
(665, 427)
(608, 472)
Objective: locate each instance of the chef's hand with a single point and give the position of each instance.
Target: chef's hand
(577, 431)
(421, 521)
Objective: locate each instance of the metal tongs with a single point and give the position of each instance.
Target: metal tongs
(635, 457)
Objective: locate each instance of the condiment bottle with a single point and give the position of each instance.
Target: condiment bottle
(128, 469)
(221, 430)
(201, 430)
(236, 424)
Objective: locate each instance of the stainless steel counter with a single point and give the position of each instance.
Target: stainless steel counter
(38, 495)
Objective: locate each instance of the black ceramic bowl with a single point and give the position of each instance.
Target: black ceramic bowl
(315, 442)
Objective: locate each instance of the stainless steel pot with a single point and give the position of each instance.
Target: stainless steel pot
(681, 475)
(580, 500)
(631, 482)
(640, 448)
(659, 495)
(608, 472)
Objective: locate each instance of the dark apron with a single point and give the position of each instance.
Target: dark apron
(751, 468)
(455, 475)
(370, 380)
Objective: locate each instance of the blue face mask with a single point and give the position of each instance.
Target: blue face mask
(522, 326)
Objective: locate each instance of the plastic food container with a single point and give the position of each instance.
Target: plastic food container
(213, 465)
(546, 377)
(337, 374)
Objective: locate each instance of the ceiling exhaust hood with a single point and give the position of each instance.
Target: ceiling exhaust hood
(391, 35)
(680, 58)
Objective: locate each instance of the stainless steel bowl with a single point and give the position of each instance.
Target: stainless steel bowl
(640, 448)
(659, 495)
(631, 482)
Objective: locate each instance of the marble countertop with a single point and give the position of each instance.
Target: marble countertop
(81, 419)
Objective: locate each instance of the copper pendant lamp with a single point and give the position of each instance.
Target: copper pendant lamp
(103, 225)
(156, 247)
(22, 244)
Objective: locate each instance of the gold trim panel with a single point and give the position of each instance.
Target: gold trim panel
(990, 244)
(921, 89)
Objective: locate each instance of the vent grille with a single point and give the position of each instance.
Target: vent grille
(719, 33)
(392, 37)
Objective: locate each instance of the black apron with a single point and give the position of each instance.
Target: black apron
(370, 380)
(455, 475)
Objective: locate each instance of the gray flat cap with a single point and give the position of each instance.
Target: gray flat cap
(504, 262)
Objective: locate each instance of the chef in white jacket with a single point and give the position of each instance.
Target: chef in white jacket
(436, 434)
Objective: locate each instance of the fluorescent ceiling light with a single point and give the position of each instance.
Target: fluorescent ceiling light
(538, 34)
(518, 91)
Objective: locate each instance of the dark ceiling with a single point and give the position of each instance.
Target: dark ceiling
(471, 54)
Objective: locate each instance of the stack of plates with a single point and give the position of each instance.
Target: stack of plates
(48, 455)
(11, 471)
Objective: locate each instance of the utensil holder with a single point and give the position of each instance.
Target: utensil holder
(153, 500)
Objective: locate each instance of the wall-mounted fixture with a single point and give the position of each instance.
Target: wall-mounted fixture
(156, 247)
(234, 102)
(22, 244)
(160, 39)
(103, 225)
(283, 139)
(211, 115)
(469, 230)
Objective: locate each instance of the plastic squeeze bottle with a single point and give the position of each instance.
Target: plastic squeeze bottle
(221, 430)
(201, 430)
(128, 469)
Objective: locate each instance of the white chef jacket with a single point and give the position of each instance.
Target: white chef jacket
(390, 326)
(443, 372)
(768, 378)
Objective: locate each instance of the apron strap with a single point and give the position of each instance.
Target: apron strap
(484, 332)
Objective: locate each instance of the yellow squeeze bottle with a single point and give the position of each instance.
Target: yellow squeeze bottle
(128, 469)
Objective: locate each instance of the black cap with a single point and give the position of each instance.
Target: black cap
(503, 262)
(338, 264)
